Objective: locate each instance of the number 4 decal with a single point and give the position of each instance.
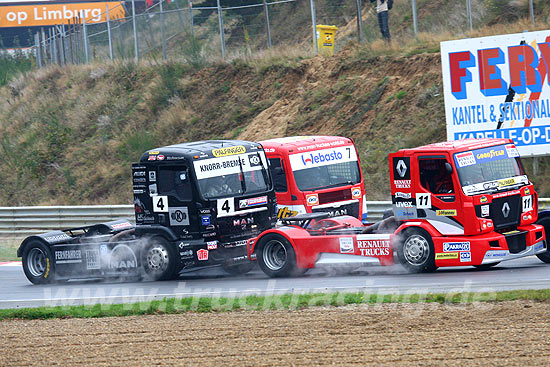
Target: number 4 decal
(160, 204)
(423, 201)
(225, 207)
(527, 203)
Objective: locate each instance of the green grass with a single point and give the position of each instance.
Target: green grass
(263, 303)
(8, 249)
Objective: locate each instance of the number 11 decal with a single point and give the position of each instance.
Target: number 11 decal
(423, 201)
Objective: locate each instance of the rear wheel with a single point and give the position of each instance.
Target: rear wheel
(38, 263)
(158, 259)
(416, 251)
(545, 222)
(277, 257)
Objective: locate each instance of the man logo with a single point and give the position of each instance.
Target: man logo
(506, 210)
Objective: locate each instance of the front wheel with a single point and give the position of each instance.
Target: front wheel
(545, 222)
(158, 259)
(277, 257)
(416, 251)
(38, 263)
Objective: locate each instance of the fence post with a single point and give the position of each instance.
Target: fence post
(53, 52)
(266, 10)
(85, 40)
(359, 22)
(109, 35)
(62, 44)
(70, 29)
(469, 11)
(532, 10)
(136, 44)
(415, 21)
(314, 24)
(220, 21)
(162, 30)
(38, 50)
(44, 46)
(190, 3)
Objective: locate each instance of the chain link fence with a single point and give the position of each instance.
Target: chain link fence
(179, 30)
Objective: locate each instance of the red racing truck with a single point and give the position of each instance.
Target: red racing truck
(456, 203)
(316, 174)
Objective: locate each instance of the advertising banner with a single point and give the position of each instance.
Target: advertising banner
(45, 14)
(498, 87)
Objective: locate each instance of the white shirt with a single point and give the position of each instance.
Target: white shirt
(381, 6)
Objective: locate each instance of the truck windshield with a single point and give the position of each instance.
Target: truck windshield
(234, 175)
(320, 169)
(492, 169)
(332, 175)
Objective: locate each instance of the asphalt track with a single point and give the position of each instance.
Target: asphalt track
(525, 273)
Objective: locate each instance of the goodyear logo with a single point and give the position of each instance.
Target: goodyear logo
(483, 199)
(223, 152)
(527, 191)
(154, 152)
(446, 213)
(507, 182)
(490, 154)
(446, 256)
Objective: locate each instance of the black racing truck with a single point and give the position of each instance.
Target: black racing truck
(196, 204)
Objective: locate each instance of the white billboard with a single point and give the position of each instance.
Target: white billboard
(498, 87)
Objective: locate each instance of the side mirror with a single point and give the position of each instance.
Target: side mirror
(449, 168)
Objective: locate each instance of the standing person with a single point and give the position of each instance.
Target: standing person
(382, 7)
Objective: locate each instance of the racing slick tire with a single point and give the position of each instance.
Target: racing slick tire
(486, 266)
(38, 263)
(277, 257)
(159, 259)
(239, 268)
(416, 251)
(545, 222)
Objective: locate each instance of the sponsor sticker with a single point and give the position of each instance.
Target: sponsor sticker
(506, 182)
(465, 159)
(539, 246)
(403, 195)
(485, 210)
(402, 184)
(512, 151)
(121, 225)
(446, 213)
(495, 254)
(155, 152)
(312, 199)
(68, 256)
(179, 216)
(456, 246)
(202, 254)
(152, 176)
(346, 245)
(465, 257)
(223, 152)
(205, 220)
(356, 192)
(375, 247)
(404, 204)
(152, 158)
(483, 199)
(446, 256)
(212, 245)
(160, 157)
(247, 203)
(323, 157)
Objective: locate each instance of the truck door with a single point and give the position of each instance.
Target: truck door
(436, 198)
(279, 172)
(174, 183)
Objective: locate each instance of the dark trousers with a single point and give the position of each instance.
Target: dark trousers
(383, 23)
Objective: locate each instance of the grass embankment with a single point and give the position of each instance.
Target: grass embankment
(263, 303)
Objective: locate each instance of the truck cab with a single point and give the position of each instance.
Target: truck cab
(472, 197)
(205, 199)
(314, 174)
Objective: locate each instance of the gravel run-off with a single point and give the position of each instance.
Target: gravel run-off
(481, 334)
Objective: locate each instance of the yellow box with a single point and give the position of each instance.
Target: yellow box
(326, 35)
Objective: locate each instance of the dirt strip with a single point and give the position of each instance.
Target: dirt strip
(485, 334)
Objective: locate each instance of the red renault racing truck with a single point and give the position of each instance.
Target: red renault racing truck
(316, 174)
(458, 203)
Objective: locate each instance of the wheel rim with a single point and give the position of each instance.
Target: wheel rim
(416, 250)
(274, 255)
(157, 259)
(36, 262)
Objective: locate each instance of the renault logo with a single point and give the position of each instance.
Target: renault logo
(506, 210)
(401, 168)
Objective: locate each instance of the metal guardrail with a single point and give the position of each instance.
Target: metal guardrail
(16, 222)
